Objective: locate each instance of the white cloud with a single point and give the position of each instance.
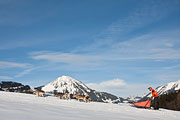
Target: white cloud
(69, 58)
(26, 67)
(143, 15)
(119, 87)
(5, 65)
(149, 46)
(115, 83)
(152, 46)
(27, 71)
(172, 67)
(5, 77)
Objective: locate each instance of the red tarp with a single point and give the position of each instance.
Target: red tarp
(145, 104)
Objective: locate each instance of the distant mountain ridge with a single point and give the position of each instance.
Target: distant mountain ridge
(10, 86)
(164, 89)
(66, 84)
(167, 88)
(170, 87)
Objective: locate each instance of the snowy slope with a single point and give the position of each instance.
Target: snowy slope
(66, 84)
(18, 106)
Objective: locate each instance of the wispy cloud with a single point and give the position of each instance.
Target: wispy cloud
(25, 67)
(69, 58)
(144, 15)
(5, 65)
(5, 78)
(151, 46)
(157, 46)
(168, 77)
(25, 72)
(18, 43)
(116, 42)
(172, 67)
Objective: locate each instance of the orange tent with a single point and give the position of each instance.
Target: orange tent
(145, 104)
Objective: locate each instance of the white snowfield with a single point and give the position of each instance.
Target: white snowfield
(18, 106)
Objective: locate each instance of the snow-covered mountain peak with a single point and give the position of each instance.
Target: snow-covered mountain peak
(66, 84)
(66, 79)
(170, 87)
(176, 86)
(167, 88)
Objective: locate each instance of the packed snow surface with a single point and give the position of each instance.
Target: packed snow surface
(18, 106)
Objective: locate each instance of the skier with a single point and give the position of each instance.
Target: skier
(155, 100)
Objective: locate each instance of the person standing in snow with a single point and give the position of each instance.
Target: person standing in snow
(155, 100)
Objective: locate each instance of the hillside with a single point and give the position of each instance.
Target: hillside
(170, 100)
(18, 106)
(10, 86)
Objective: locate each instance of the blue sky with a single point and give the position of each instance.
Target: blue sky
(118, 46)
